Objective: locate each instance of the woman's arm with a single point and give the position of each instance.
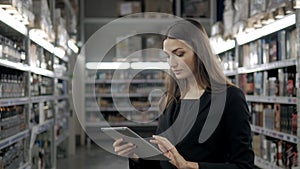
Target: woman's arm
(238, 131)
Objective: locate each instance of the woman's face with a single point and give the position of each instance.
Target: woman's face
(180, 58)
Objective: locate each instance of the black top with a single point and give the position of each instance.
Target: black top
(229, 145)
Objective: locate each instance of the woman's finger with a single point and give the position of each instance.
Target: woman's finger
(118, 142)
(127, 151)
(123, 147)
(163, 141)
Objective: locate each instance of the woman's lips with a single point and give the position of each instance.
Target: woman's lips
(177, 71)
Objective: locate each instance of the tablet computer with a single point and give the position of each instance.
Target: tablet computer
(144, 149)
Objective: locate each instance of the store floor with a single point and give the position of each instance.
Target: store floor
(92, 158)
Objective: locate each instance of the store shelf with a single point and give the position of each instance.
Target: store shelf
(230, 72)
(42, 72)
(13, 65)
(221, 46)
(14, 101)
(121, 95)
(129, 124)
(275, 134)
(105, 81)
(43, 127)
(279, 24)
(41, 42)
(61, 138)
(13, 139)
(37, 99)
(25, 166)
(268, 66)
(62, 78)
(272, 99)
(261, 163)
(127, 20)
(12, 22)
(62, 97)
(95, 109)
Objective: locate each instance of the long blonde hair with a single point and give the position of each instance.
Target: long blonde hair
(208, 73)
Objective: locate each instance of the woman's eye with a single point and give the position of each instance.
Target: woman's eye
(180, 54)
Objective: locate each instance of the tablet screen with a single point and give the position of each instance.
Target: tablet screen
(144, 149)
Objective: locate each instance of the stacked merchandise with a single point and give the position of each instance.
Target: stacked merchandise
(20, 9)
(32, 81)
(153, 8)
(42, 22)
(139, 89)
(265, 67)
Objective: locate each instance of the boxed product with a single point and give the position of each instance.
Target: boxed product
(129, 48)
(8, 3)
(153, 47)
(71, 23)
(274, 4)
(161, 6)
(43, 19)
(257, 7)
(241, 8)
(127, 8)
(196, 8)
(228, 16)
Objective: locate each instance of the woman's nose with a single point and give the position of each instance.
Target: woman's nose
(172, 61)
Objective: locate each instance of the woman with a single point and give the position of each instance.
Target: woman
(205, 120)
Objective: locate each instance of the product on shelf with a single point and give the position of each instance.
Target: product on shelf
(41, 151)
(153, 46)
(11, 50)
(40, 58)
(127, 8)
(41, 85)
(21, 10)
(12, 120)
(12, 83)
(158, 8)
(228, 19)
(196, 8)
(141, 86)
(12, 157)
(127, 47)
(277, 152)
(60, 30)
(42, 21)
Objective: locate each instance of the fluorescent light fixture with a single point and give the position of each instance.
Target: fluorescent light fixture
(107, 65)
(285, 22)
(9, 20)
(149, 65)
(73, 46)
(59, 52)
(37, 37)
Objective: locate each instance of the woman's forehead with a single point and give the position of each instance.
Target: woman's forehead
(172, 44)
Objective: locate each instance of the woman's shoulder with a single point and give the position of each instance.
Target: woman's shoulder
(235, 93)
(234, 89)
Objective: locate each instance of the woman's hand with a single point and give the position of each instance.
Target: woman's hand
(125, 149)
(171, 152)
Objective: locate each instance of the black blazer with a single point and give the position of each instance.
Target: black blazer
(229, 146)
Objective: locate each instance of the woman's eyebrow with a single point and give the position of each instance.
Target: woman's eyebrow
(175, 50)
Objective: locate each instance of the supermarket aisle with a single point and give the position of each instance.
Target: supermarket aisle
(92, 158)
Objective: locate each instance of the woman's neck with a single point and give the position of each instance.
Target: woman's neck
(194, 91)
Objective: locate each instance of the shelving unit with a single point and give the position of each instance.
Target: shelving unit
(140, 22)
(258, 98)
(36, 124)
